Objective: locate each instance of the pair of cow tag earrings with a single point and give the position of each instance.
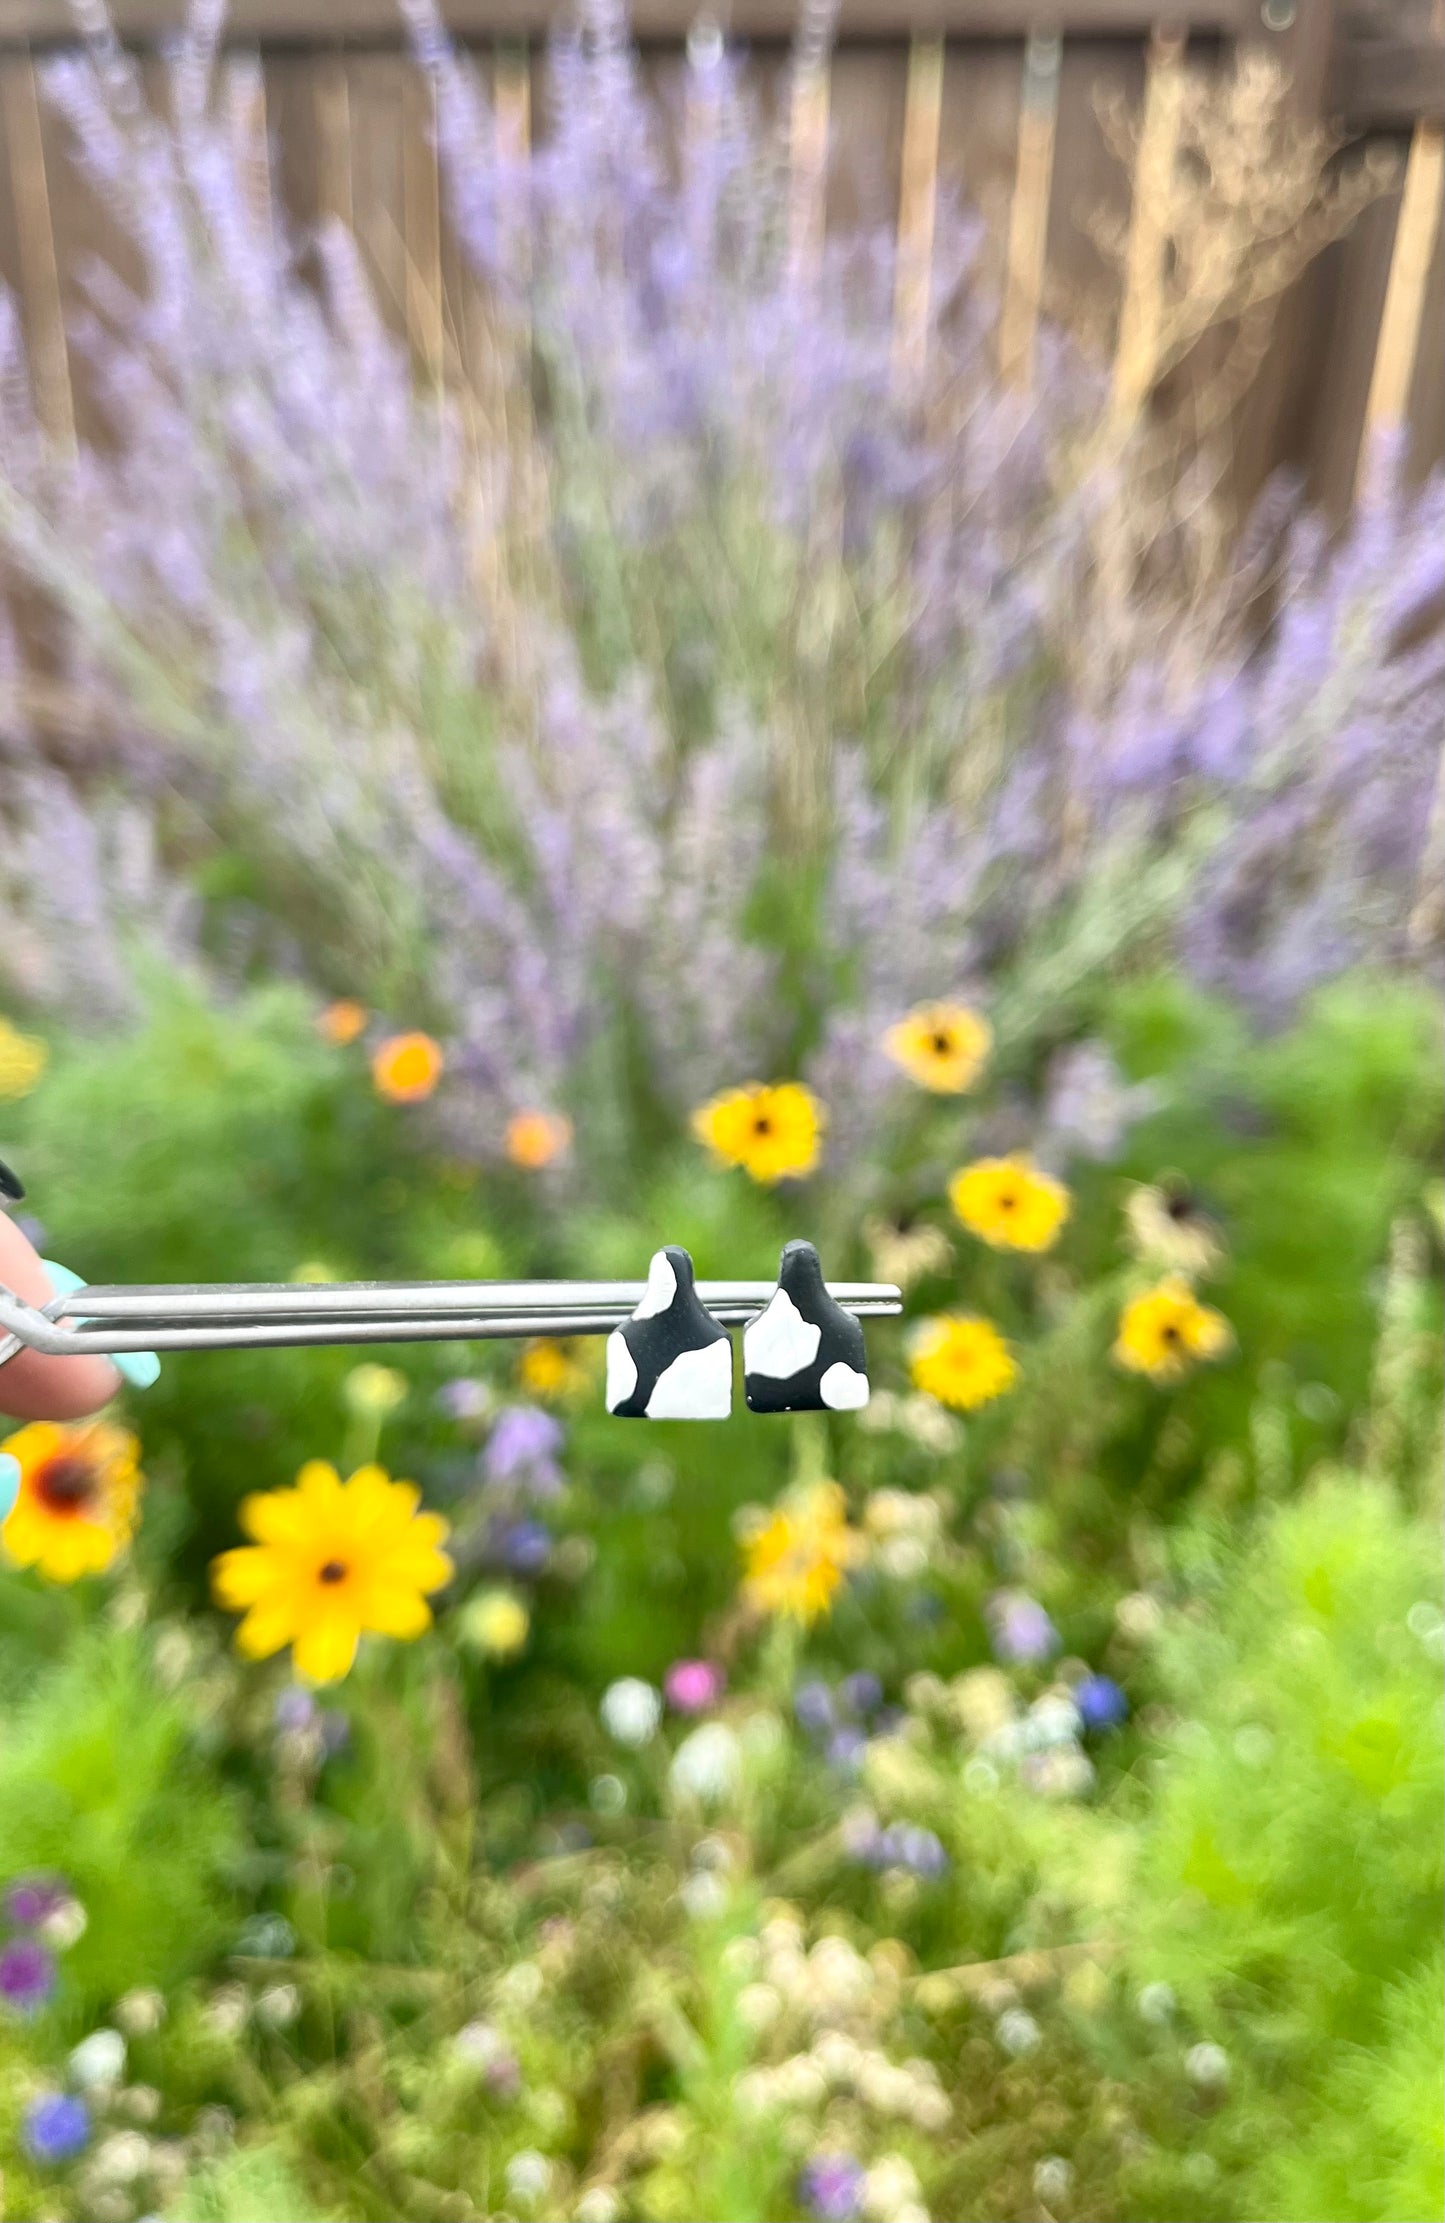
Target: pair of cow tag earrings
(672, 1361)
(669, 1354)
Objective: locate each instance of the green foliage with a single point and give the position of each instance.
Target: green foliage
(102, 1783)
(438, 1936)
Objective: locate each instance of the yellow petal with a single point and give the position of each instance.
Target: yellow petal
(269, 1624)
(324, 1652)
(392, 1610)
(241, 1576)
(276, 1517)
(74, 1548)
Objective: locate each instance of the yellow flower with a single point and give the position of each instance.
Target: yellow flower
(1168, 1228)
(407, 1067)
(554, 1366)
(78, 1491)
(773, 1133)
(495, 1624)
(329, 1560)
(1009, 1203)
(23, 1058)
(942, 1046)
(796, 1559)
(535, 1139)
(1165, 1331)
(341, 1022)
(961, 1360)
(906, 1253)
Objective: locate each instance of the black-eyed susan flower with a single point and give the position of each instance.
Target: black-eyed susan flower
(1007, 1202)
(407, 1067)
(795, 1558)
(961, 1360)
(329, 1562)
(1169, 1227)
(76, 1504)
(942, 1046)
(537, 1139)
(341, 1022)
(774, 1133)
(23, 1059)
(1167, 1331)
(554, 1366)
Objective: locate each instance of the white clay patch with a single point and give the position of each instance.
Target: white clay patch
(661, 1287)
(843, 1389)
(697, 1386)
(621, 1371)
(780, 1342)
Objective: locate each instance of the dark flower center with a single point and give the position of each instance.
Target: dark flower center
(66, 1483)
(1008, 1201)
(1169, 1333)
(762, 1125)
(1180, 1207)
(333, 1571)
(942, 1044)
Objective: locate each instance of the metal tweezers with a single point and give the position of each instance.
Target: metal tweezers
(222, 1316)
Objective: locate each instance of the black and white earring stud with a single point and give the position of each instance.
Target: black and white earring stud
(671, 1360)
(804, 1353)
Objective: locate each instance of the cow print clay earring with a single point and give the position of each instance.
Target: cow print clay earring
(671, 1360)
(804, 1354)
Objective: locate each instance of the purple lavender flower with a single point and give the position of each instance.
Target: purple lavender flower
(523, 1447)
(830, 2187)
(522, 1546)
(30, 1899)
(1022, 1632)
(27, 1974)
(813, 1708)
(335, 1731)
(919, 1851)
(861, 1692)
(846, 1748)
(55, 2128)
(1101, 1703)
(295, 1709)
(465, 1398)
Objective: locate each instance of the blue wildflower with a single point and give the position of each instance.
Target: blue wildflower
(55, 2128)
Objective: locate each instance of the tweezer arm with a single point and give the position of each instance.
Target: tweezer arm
(221, 1316)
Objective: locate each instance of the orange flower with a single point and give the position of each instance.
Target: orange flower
(407, 1067)
(535, 1139)
(341, 1022)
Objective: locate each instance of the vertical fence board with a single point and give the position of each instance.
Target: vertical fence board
(1403, 312)
(374, 99)
(332, 127)
(1137, 349)
(867, 99)
(36, 264)
(1091, 188)
(1028, 230)
(978, 139)
(917, 208)
(808, 109)
(421, 228)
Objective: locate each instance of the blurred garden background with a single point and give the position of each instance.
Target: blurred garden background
(822, 626)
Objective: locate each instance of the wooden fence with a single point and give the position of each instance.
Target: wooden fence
(996, 100)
